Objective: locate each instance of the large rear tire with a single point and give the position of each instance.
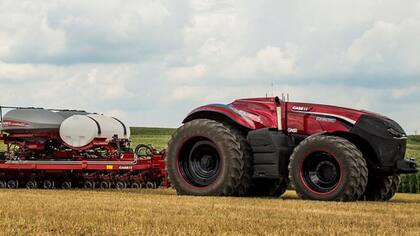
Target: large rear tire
(328, 168)
(381, 188)
(206, 157)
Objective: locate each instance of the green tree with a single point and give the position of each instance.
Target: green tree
(405, 186)
(413, 183)
(418, 182)
(400, 187)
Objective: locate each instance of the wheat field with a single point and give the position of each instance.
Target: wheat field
(162, 212)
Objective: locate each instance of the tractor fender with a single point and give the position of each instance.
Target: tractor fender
(361, 143)
(220, 112)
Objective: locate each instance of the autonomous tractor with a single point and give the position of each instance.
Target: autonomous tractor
(257, 146)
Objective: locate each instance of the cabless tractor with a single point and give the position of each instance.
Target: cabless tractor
(68, 148)
(257, 146)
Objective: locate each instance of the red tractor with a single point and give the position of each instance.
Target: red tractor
(257, 146)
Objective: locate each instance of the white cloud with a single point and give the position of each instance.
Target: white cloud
(269, 61)
(77, 85)
(186, 74)
(153, 61)
(62, 32)
(387, 47)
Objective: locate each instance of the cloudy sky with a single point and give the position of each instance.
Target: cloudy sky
(151, 62)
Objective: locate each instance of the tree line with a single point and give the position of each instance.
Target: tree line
(410, 183)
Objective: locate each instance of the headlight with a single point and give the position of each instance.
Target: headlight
(396, 134)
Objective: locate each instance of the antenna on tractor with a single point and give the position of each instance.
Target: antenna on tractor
(279, 113)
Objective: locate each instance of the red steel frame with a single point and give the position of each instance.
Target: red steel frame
(116, 162)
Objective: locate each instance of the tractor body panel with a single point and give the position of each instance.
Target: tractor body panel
(271, 151)
(388, 142)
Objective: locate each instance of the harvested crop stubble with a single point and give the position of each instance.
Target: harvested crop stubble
(151, 212)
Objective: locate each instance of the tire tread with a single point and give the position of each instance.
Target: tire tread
(357, 165)
(239, 176)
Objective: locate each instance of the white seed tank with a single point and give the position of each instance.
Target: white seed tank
(79, 131)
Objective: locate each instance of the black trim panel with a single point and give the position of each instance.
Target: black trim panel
(271, 153)
(97, 124)
(123, 125)
(388, 148)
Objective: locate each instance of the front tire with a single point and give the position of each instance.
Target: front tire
(208, 158)
(381, 188)
(328, 168)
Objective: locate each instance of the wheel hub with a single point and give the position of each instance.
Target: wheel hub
(321, 172)
(202, 165)
(326, 171)
(207, 162)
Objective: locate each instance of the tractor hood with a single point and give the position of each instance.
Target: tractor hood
(304, 118)
(262, 111)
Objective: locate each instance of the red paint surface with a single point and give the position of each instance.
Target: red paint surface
(256, 113)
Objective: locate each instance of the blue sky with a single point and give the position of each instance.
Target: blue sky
(151, 62)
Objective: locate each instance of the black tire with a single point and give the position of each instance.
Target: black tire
(48, 184)
(89, 184)
(66, 185)
(381, 188)
(31, 184)
(396, 181)
(150, 185)
(3, 184)
(209, 158)
(120, 185)
(328, 168)
(269, 187)
(143, 151)
(13, 184)
(246, 181)
(136, 185)
(104, 185)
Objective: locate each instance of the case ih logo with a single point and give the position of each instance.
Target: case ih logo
(299, 108)
(12, 123)
(125, 167)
